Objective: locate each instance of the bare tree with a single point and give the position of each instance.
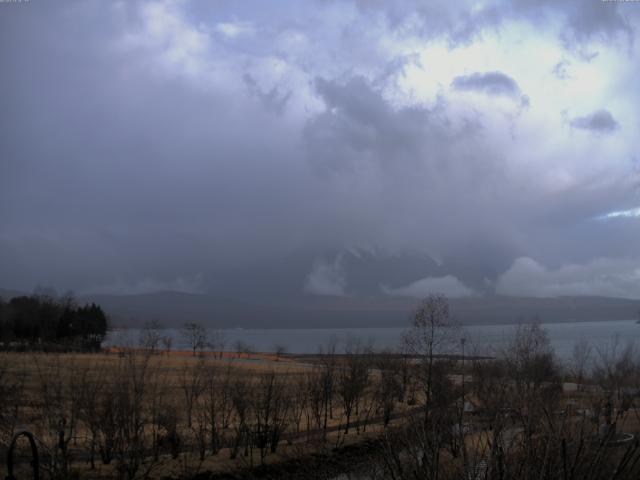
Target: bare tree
(169, 422)
(61, 394)
(316, 397)
(242, 347)
(240, 393)
(617, 371)
(191, 381)
(103, 417)
(218, 341)
(299, 399)
(116, 412)
(580, 358)
(209, 392)
(226, 400)
(388, 386)
(432, 333)
(327, 383)
(167, 343)
(214, 401)
(195, 335)
(279, 350)
(531, 358)
(150, 336)
(90, 411)
(353, 379)
(534, 374)
(130, 385)
(407, 392)
(156, 402)
(11, 400)
(270, 412)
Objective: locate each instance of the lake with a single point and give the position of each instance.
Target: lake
(482, 339)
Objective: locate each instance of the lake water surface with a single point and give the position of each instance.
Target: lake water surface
(483, 339)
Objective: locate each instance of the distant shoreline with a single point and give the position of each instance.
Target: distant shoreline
(270, 356)
(479, 324)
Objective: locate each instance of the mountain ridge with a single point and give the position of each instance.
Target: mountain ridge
(171, 308)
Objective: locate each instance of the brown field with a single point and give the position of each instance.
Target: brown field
(60, 392)
(132, 414)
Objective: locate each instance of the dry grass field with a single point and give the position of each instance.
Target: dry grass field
(130, 414)
(136, 414)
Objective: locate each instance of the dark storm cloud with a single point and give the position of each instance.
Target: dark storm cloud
(599, 121)
(582, 20)
(273, 101)
(463, 22)
(358, 126)
(419, 166)
(491, 83)
(111, 171)
(173, 145)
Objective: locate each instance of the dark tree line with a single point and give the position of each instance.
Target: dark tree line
(41, 321)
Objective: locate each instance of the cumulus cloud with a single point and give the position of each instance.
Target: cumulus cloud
(580, 22)
(360, 129)
(447, 285)
(603, 277)
(598, 121)
(491, 83)
(326, 278)
(584, 21)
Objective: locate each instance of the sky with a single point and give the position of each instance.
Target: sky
(192, 145)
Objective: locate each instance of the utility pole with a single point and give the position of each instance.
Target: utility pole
(462, 433)
(462, 342)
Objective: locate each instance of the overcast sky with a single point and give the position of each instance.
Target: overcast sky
(154, 145)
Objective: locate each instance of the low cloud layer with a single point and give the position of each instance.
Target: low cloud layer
(447, 285)
(326, 279)
(602, 277)
(149, 285)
